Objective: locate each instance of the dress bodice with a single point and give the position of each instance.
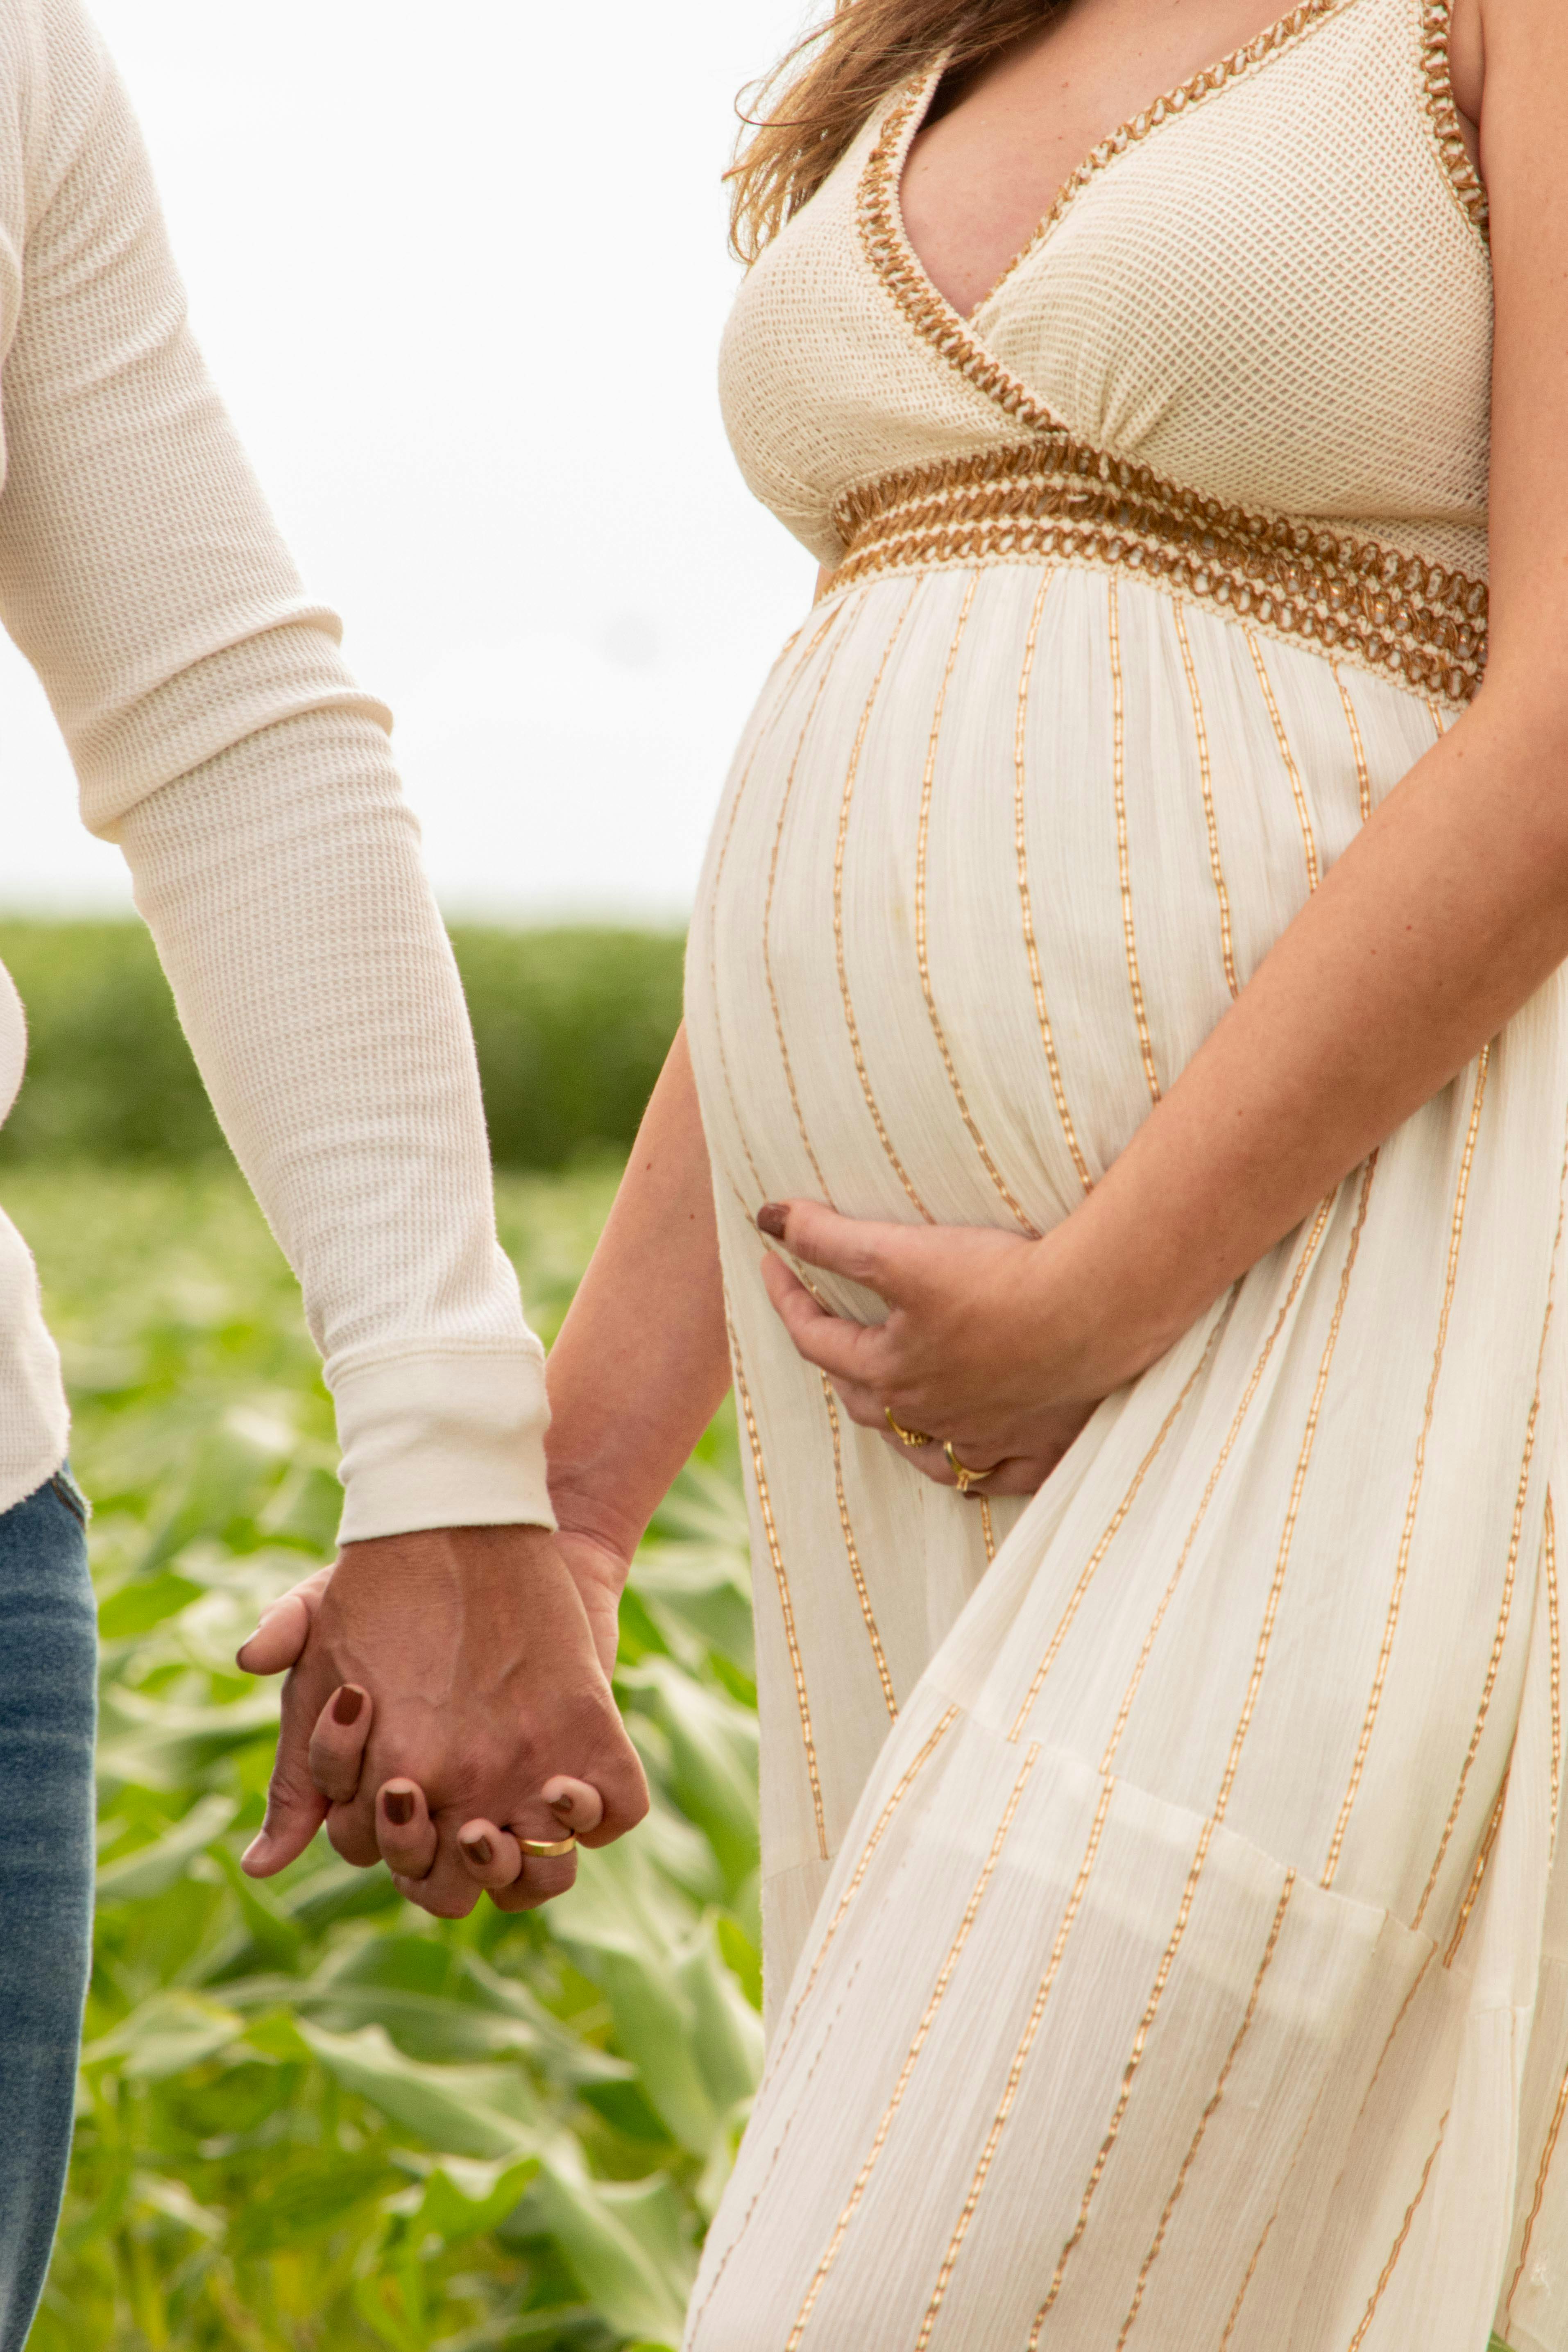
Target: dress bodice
(1265, 302)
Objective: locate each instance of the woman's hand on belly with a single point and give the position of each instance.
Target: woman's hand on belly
(965, 1360)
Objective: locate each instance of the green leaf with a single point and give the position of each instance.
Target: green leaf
(307, 2198)
(167, 2034)
(142, 1603)
(483, 2111)
(727, 2032)
(713, 1755)
(276, 1937)
(424, 2025)
(562, 2053)
(156, 1743)
(133, 1877)
(625, 1937)
(336, 1890)
(461, 2198)
(625, 2242)
(740, 1956)
(275, 2035)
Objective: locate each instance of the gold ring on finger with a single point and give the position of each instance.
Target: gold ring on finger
(965, 1477)
(906, 1436)
(547, 1849)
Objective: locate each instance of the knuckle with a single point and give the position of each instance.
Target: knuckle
(286, 1786)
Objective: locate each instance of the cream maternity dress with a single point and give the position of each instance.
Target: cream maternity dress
(1164, 1941)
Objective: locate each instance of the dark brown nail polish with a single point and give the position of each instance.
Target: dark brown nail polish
(399, 1807)
(477, 1849)
(562, 1804)
(347, 1705)
(772, 1219)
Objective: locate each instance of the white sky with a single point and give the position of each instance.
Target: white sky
(458, 267)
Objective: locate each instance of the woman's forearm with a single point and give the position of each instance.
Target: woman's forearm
(1449, 909)
(643, 1357)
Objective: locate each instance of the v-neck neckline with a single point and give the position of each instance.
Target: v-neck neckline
(917, 97)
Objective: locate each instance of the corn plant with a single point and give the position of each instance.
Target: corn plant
(310, 2116)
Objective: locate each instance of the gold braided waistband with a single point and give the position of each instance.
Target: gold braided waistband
(1051, 497)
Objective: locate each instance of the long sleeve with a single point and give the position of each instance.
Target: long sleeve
(220, 740)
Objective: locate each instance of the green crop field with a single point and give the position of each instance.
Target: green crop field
(309, 2116)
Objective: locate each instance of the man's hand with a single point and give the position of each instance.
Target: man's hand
(475, 1648)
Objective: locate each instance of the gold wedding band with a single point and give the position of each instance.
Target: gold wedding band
(547, 1849)
(906, 1436)
(965, 1477)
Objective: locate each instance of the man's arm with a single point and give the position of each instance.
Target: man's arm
(220, 740)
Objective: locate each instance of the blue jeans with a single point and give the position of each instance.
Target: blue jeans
(48, 1717)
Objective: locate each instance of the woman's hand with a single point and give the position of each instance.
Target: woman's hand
(599, 1569)
(973, 1355)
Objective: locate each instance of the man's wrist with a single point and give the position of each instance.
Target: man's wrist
(411, 1546)
(447, 1438)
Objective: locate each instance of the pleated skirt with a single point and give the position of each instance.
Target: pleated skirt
(1162, 1940)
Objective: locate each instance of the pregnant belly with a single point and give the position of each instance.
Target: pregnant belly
(998, 849)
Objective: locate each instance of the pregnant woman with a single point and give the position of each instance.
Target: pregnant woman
(1124, 987)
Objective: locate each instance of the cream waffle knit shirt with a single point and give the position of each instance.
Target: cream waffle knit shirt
(221, 742)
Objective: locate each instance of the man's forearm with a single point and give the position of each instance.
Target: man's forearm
(642, 1359)
(282, 885)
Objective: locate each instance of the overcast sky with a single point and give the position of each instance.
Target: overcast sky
(458, 267)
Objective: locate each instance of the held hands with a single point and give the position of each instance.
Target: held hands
(976, 1354)
(449, 1699)
(492, 1707)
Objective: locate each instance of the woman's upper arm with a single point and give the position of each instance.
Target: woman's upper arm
(1524, 155)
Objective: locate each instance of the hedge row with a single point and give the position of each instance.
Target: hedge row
(572, 1025)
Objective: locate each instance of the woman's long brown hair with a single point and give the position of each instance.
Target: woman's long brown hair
(805, 114)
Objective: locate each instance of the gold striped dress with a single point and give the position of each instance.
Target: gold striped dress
(1163, 1944)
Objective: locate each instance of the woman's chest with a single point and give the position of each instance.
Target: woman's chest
(1271, 286)
(998, 144)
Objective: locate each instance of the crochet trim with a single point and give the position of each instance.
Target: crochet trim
(893, 259)
(1054, 497)
(1443, 113)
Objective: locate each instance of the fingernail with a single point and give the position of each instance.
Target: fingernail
(477, 1849)
(772, 1219)
(399, 1807)
(254, 1851)
(562, 1804)
(347, 1705)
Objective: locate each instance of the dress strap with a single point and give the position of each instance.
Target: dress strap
(1443, 114)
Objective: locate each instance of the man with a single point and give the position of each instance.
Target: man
(221, 742)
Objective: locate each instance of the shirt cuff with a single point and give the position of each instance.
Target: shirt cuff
(443, 1440)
